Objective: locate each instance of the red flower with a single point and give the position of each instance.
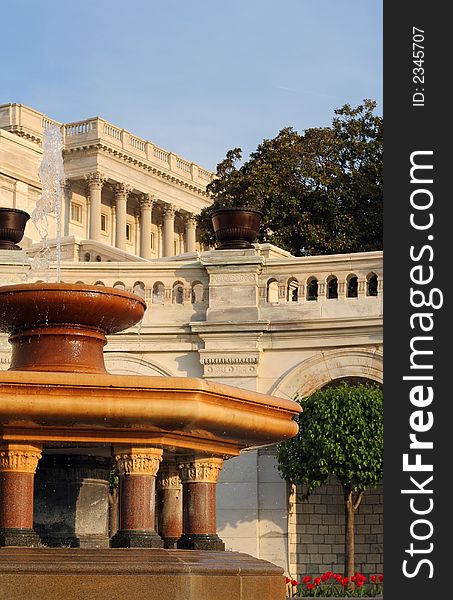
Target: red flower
(310, 586)
(306, 579)
(381, 577)
(317, 580)
(294, 582)
(359, 583)
(338, 577)
(353, 578)
(325, 576)
(345, 581)
(287, 580)
(373, 578)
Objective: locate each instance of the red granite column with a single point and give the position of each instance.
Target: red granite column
(18, 462)
(137, 468)
(199, 477)
(169, 503)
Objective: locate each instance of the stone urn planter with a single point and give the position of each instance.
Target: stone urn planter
(12, 227)
(236, 228)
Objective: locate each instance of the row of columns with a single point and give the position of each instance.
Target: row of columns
(95, 183)
(188, 522)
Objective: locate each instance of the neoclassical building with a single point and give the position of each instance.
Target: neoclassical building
(121, 191)
(258, 319)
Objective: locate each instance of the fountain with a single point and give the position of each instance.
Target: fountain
(57, 393)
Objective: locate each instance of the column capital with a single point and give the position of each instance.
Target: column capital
(19, 458)
(66, 185)
(95, 180)
(169, 211)
(191, 220)
(138, 460)
(199, 470)
(168, 477)
(122, 189)
(147, 201)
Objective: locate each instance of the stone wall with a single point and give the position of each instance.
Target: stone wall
(316, 532)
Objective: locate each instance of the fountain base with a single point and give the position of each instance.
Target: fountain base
(136, 539)
(13, 536)
(50, 573)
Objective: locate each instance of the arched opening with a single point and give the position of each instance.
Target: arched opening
(292, 291)
(158, 292)
(272, 290)
(177, 296)
(98, 258)
(372, 284)
(120, 285)
(99, 283)
(87, 257)
(312, 288)
(197, 292)
(139, 289)
(332, 287)
(352, 286)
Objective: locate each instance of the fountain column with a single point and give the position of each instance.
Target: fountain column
(95, 183)
(18, 462)
(169, 503)
(199, 477)
(169, 231)
(191, 224)
(121, 194)
(146, 208)
(137, 467)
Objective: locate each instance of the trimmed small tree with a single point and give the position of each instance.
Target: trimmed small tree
(340, 434)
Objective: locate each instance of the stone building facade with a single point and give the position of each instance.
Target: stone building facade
(258, 319)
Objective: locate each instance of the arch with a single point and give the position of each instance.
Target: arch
(87, 257)
(99, 283)
(352, 286)
(332, 287)
(98, 258)
(139, 289)
(197, 292)
(372, 284)
(292, 290)
(177, 295)
(272, 290)
(312, 288)
(120, 285)
(326, 366)
(81, 282)
(121, 363)
(158, 292)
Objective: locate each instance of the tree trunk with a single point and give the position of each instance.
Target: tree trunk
(349, 537)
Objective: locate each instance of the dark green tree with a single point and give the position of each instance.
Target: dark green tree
(341, 435)
(320, 192)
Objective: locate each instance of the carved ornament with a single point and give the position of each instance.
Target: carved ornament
(200, 470)
(19, 458)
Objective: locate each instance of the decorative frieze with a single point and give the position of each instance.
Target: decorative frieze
(232, 278)
(19, 458)
(233, 365)
(200, 470)
(168, 477)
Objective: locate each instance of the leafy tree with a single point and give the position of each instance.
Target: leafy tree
(341, 435)
(320, 192)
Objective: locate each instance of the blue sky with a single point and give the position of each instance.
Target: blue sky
(197, 77)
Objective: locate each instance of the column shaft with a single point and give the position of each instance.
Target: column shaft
(190, 234)
(137, 468)
(169, 231)
(95, 183)
(121, 193)
(199, 477)
(169, 504)
(146, 208)
(18, 462)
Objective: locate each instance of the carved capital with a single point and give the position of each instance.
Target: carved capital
(122, 190)
(200, 470)
(168, 476)
(146, 201)
(95, 180)
(138, 461)
(191, 221)
(19, 458)
(66, 186)
(169, 211)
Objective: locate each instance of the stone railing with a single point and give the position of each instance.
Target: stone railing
(31, 124)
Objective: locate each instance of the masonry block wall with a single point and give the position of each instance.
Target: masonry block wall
(316, 532)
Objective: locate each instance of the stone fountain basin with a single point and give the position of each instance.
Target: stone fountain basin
(173, 412)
